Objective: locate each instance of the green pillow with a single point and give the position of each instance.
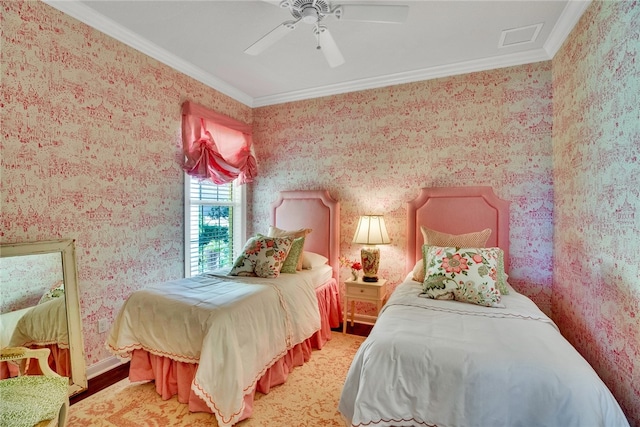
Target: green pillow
(291, 262)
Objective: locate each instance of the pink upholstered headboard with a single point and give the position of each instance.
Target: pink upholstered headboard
(314, 209)
(457, 210)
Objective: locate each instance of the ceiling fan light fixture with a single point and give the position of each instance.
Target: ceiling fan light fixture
(309, 15)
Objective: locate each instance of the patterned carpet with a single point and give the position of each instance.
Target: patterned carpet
(308, 398)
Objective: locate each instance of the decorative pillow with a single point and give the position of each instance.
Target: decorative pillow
(56, 291)
(477, 239)
(465, 274)
(418, 271)
(294, 258)
(262, 256)
(294, 254)
(502, 276)
(312, 259)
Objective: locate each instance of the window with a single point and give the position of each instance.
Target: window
(218, 160)
(215, 217)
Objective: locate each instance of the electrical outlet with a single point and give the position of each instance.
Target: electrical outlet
(103, 325)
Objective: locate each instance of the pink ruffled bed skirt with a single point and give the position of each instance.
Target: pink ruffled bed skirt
(175, 378)
(58, 361)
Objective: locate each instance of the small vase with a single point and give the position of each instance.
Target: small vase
(354, 274)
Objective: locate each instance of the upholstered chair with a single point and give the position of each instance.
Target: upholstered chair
(33, 400)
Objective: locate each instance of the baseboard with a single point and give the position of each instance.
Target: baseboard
(103, 366)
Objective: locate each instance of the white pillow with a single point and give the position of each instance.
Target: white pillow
(418, 271)
(312, 259)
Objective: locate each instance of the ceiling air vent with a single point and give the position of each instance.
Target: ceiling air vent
(521, 35)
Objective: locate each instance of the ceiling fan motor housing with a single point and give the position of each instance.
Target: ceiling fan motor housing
(310, 15)
(309, 11)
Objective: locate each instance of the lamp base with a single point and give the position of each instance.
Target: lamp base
(370, 256)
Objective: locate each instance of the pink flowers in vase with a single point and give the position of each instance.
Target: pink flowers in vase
(355, 266)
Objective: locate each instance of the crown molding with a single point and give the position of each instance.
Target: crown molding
(565, 23)
(85, 14)
(568, 19)
(408, 77)
(561, 30)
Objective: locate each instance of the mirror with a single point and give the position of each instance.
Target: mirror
(39, 306)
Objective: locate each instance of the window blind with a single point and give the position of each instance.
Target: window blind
(210, 225)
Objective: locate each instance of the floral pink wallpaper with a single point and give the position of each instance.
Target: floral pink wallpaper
(25, 279)
(375, 149)
(91, 151)
(596, 148)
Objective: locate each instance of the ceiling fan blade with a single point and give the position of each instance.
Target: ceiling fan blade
(386, 14)
(271, 37)
(329, 47)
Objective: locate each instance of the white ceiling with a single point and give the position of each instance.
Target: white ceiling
(206, 40)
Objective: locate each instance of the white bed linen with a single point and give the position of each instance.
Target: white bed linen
(447, 363)
(41, 325)
(319, 275)
(8, 322)
(235, 328)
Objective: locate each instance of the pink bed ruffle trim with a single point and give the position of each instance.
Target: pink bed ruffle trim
(59, 361)
(175, 378)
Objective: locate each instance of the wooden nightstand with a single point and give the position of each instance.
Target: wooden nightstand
(363, 291)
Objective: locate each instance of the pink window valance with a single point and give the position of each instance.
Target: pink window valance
(216, 147)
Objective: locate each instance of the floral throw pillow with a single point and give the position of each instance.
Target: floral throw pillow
(56, 291)
(462, 274)
(495, 253)
(262, 256)
(295, 255)
(477, 239)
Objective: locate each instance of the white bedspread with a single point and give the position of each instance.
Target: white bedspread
(40, 325)
(448, 363)
(235, 328)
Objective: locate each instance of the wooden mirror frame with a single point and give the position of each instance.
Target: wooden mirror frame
(66, 248)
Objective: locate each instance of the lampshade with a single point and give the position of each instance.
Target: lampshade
(371, 231)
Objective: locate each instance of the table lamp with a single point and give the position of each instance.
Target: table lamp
(371, 231)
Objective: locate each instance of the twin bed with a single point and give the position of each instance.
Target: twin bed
(215, 340)
(432, 362)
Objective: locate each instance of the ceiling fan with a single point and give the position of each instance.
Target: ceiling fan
(312, 12)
